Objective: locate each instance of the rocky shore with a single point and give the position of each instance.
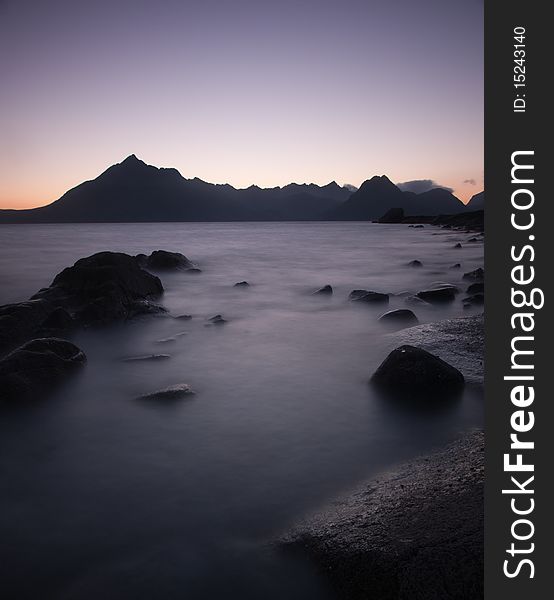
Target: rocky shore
(415, 533)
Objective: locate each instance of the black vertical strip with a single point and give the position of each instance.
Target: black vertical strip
(506, 132)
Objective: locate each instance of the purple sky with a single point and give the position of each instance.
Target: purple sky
(240, 91)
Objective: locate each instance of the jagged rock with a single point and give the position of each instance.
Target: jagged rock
(326, 290)
(413, 372)
(37, 368)
(172, 392)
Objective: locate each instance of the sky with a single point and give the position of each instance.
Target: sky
(241, 92)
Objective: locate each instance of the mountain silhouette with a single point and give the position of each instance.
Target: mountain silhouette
(378, 195)
(477, 202)
(133, 191)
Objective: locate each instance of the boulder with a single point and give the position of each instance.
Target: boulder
(369, 297)
(415, 263)
(37, 368)
(412, 372)
(19, 322)
(217, 320)
(161, 260)
(326, 290)
(477, 275)
(242, 284)
(401, 316)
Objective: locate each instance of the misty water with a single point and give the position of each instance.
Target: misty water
(104, 496)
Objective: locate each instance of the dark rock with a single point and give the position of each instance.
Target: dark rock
(413, 372)
(161, 260)
(37, 368)
(18, 322)
(458, 245)
(103, 288)
(184, 317)
(443, 284)
(393, 215)
(368, 296)
(401, 316)
(419, 226)
(173, 392)
(476, 288)
(146, 357)
(456, 266)
(415, 263)
(194, 270)
(473, 240)
(326, 290)
(242, 284)
(477, 275)
(217, 320)
(474, 300)
(438, 295)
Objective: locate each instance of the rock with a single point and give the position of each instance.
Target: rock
(368, 296)
(414, 300)
(477, 275)
(438, 295)
(413, 372)
(460, 342)
(161, 260)
(18, 322)
(419, 226)
(393, 215)
(443, 284)
(391, 538)
(37, 368)
(146, 357)
(474, 300)
(326, 290)
(105, 287)
(58, 320)
(476, 288)
(242, 284)
(456, 266)
(217, 320)
(172, 338)
(194, 270)
(401, 316)
(458, 245)
(473, 240)
(415, 263)
(172, 392)
(184, 317)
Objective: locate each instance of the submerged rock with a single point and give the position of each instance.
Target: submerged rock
(477, 275)
(37, 368)
(184, 317)
(172, 392)
(415, 373)
(368, 296)
(146, 357)
(217, 320)
(242, 284)
(458, 245)
(476, 288)
(326, 290)
(401, 316)
(438, 295)
(456, 266)
(415, 263)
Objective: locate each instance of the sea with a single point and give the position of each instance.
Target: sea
(103, 495)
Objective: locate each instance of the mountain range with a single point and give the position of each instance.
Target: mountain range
(132, 191)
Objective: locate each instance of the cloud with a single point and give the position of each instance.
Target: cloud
(470, 181)
(350, 187)
(419, 186)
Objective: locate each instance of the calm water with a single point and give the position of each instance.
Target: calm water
(104, 496)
